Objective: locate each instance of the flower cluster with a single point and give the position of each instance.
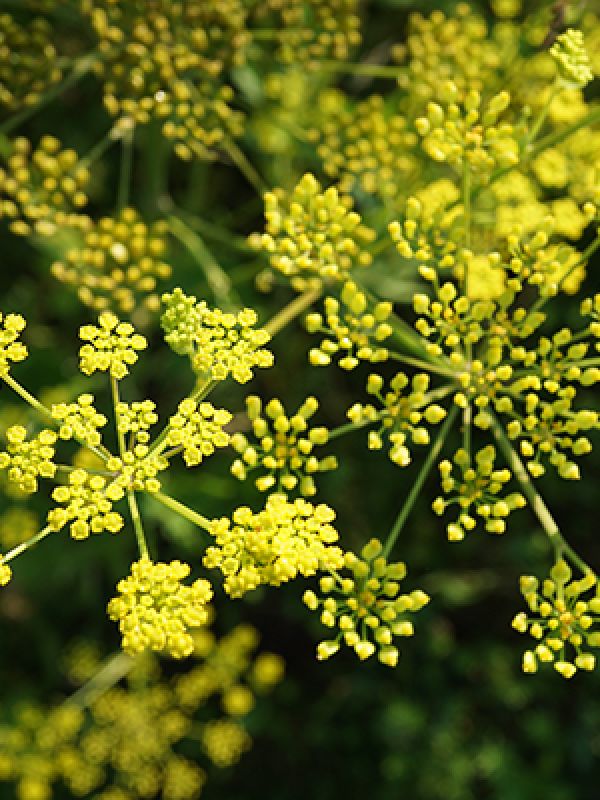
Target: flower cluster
(166, 61)
(10, 347)
(561, 620)
(225, 741)
(469, 132)
(111, 346)
(477, 490)
(28, 61)
(155, 610)
(274, 546)
(282, 447)
(219, 344)
(355, 329)
(367, 606)
(572, 59)
(312, 236)
(41, 190)
(79, 420)
(401, 416)
(87, 504)
(117, 264)
(366, 145)
(136, 419)
(26, 460)
(197, 429)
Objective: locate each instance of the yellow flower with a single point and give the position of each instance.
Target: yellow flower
(10, 348)
(112, 346)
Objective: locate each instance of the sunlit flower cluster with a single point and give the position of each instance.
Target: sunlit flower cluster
(366, 606)
(110, 347)
(11, 349)
(26, 460)
(197, 429)
(281, 447)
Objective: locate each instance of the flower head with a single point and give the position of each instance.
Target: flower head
(112, 347)
(198, 429)
(572, 59)
(10, 348)
(274, 546)
(282, 447)
(86, 502)
(366, 606)
(561, 620)
(28, 459)
(155, 610)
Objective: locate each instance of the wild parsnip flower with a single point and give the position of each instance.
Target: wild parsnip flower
(79, 420)
(225, 741)
(42, 189)
(86, 502)
(312, 236)
(173, 66)
(219, 344)
(155, 610)
(138, 468)
(477, 491)
(11, 349)
(136, 419)
(5, 573)
(366, 145)
(198, 429)
(355, 326)
(26, 460)
(572, 59)
(564, 623)
(117, 264)
(366, 606)
(312, 30)
(282, 447)
(401, 415)
(274, 546)
(466, 131)
(111, 346)
(28, 61)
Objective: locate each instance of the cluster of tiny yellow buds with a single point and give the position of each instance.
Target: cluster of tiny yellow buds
(87, 504)
(138, 468)
(112, 346)
(17, 525)
(401, 415)
(155, 610)
(41, 190)
(476, 492)
(441, 47)
(468, 133)
(283, 447)
(198, 429)
(219, 344)
(27, 460)
(274, 546)
(166, 62)
(561, 620)
(313, 30)
(356, 328)
(117, 264)
(366, 146)
(79, 420)
(225, 741)
(28, 61)
(136, 419)
(367, 606)
(572, 59)
(311, 235)
(5, 573)
(10, 348)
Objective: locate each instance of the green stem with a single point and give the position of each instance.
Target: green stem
(98, 149)
(417, 362)
(216, 277)
(107, 676)
(245, 167)
(80, 69)
(538, 506)
(21, 548)
(131, 500)
(541, 118)
(432, 456)
(182, 510)
(213, 231)
(126, 169)
(466, 198)
(293, 309)
(342, 430)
